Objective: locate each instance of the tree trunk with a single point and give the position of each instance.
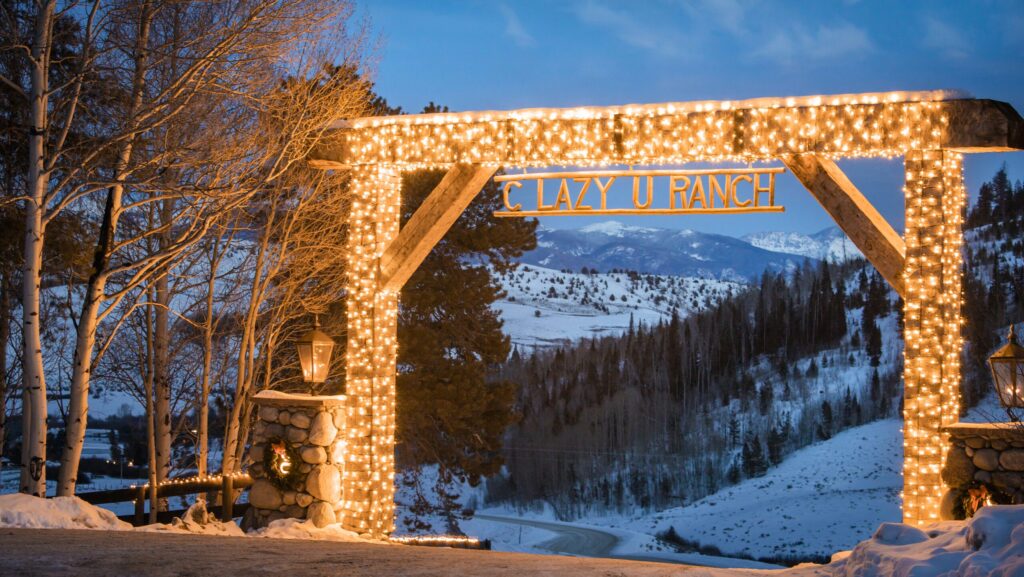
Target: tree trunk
(203, 448)
(161, 379)
(5, 338)
(147, 382)
(33, 473)
(244, 367)
(85, 339)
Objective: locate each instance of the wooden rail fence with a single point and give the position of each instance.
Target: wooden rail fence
(229, 486)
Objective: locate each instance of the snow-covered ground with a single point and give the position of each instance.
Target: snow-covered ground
(991, 544)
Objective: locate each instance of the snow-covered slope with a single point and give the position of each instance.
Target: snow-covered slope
(822, 499)
(545, 307)
(829, 244)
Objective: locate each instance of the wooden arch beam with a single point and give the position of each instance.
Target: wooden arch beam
(430, 222)
(868, 229)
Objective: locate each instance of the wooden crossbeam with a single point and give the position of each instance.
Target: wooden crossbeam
(868, 229)
(964, 125)
(431, 221)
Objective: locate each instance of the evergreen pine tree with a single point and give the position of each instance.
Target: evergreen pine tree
(766, 397)
(449, 413)
(825, 425)
(776, 440)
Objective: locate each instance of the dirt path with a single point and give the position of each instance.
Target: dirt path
(53, 552)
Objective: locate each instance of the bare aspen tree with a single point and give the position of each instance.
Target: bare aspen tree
(169, 120)
(215, 251)
(33, 476)
(212, 105)
(56, 159)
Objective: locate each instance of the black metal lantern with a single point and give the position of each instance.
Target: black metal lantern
(1007, 366)
(315, 354)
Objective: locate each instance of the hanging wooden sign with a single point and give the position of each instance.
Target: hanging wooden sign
(714, 191)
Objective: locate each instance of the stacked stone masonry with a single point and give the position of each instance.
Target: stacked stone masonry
(990, 453)
(312, 428)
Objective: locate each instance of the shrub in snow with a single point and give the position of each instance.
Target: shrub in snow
(197, 520)
(26, 511)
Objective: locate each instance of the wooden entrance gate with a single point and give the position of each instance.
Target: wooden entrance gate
(930, 130)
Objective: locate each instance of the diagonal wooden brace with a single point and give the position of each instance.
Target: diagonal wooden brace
(431, 221)
(868, 229)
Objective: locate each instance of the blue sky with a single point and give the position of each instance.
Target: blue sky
(488, 55)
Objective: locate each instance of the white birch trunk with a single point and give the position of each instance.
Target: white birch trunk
(85, 339)
(33, 473)
(147, 382)
(244, 370)
(161, 380)
(203, 448)
(5, 340)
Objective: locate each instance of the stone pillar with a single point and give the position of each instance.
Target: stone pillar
(991, 454)
(368, 484)
(932, 328)
(306, 431)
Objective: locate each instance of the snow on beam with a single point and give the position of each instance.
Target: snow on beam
(888, 124)
(865, 226)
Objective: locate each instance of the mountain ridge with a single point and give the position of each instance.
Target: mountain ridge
(611, 245)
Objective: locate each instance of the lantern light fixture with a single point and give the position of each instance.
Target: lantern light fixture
(315, 349)
(1007, 365)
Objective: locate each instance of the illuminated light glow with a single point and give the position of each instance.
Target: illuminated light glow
(367, 481)
(438, 540)
(910, 124)
(856, 125)
(197, 479)
(935, 198)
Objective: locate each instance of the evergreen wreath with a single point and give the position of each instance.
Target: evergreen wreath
(281, 463)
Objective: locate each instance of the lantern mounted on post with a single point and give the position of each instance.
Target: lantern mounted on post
(315, 354)
(1007, 365)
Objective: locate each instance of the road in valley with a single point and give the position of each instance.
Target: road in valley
(593, 542)
(570, 540)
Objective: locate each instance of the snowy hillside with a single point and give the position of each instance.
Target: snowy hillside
(544, 307)
(822, 499)
(829, 244)
(612, 245)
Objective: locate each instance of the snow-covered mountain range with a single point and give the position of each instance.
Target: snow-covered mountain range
(829, 244)
(611, 245)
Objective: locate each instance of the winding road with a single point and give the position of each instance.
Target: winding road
(593, 542)
(570, 540)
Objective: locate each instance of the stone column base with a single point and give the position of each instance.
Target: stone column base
(297, 459)
(983, 453)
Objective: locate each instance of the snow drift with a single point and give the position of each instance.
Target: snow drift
(991, 544)
(26, 511)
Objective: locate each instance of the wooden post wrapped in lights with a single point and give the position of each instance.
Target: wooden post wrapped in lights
(369, 478)
(935, 198)
(931, 129)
